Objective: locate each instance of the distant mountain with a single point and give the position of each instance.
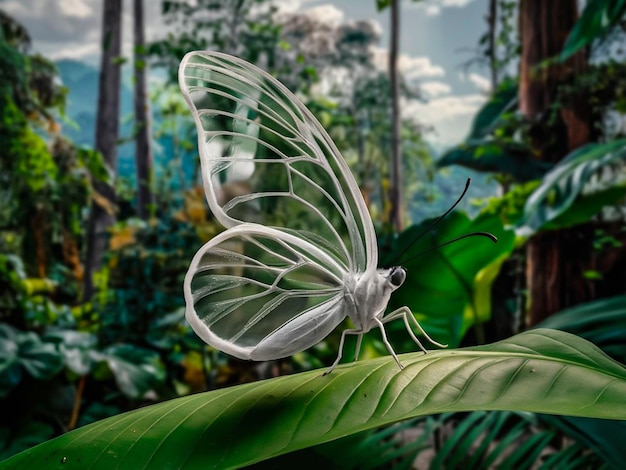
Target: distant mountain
(82, 82)
(82, 100)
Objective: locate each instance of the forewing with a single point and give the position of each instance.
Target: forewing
(259, 293)
(266, 159)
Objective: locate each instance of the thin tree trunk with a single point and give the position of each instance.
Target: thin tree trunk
(143, 147)
(107, 130)
(493, 50)
(234, 23)
(396, 148)
(555, 260)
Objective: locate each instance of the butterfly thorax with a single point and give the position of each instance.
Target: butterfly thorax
(368, 294)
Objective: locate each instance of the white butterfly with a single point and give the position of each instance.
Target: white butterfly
(300, 251)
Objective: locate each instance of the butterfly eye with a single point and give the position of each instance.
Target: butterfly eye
(397, 276)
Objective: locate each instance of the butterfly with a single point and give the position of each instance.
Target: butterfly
(299, 253)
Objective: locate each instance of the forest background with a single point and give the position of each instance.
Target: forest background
(102, 207)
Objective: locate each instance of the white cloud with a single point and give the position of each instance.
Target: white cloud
(454, 3)
(72, 28)
(76, 8)
(419, 67)
(434, 89)
(76, 52)
(412, 67)
(481, 83)
(327, 13)
(450, 116)
(433, 8)
(289, 6)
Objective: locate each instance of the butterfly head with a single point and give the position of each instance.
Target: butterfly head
(396, 276)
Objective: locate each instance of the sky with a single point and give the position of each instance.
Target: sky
(437, 37)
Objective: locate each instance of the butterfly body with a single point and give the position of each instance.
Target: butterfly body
(368, 295)
(299, 254)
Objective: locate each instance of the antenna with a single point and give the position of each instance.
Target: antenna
(439, 219)
(488, 235)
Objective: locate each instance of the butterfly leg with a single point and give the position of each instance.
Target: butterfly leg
(341, 341)
(407, 315)
(386, 342)
(358, 347)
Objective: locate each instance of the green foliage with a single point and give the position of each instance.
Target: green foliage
(499, 45)
(25, 353)
(596, 20)
(602, 437)
(220, 25)
(505, 157)
(505, 439)
(493, 144)
(453, 294)
(602, 322)
(579, 177)
(65, 364)
(540, 370)
(503, 102)
(51, 361)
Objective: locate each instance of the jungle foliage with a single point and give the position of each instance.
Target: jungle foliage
(501, 394)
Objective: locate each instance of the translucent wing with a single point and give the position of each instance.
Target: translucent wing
(260, 293)
(266, 159)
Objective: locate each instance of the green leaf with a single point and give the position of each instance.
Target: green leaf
(42, 361)
(136, 370)
(490, 115)
(382, 4)
(448, 288)
(604, 437)
(10, 370)
(496, 157)
(596, 20)
(544, 371)
(21, 352)
(603, 322)
(562, 185)
(585, 206)
(75, 347)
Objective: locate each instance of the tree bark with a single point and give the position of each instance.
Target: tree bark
(555, 260)
(107, 130)
(143, 146)
(396, 148)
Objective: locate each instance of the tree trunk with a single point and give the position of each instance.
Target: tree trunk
(234, 23)
(556, 260)
(492, 22)
(396, 118)
(107, 128)
(143, 147)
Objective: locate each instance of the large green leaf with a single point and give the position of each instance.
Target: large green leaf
(546, 371)
(493, 156)
(76, 348)
(503, 101)
(596, 20)
(603, 322)
(449, 288)
(25, 352)
(136, 370)
(562, 186)
(585, 207)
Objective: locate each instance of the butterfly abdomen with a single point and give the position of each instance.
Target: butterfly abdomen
(300, 333)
